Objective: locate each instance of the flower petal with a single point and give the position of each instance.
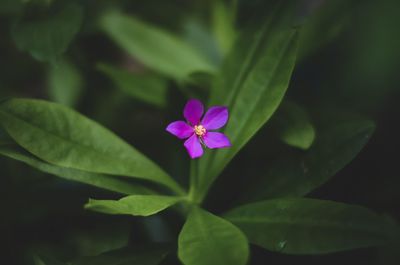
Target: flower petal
(215, 118)
(216, 140)
(193, 146)
(180, 129)
(193, 111)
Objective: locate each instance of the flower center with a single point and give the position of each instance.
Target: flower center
(200, 130)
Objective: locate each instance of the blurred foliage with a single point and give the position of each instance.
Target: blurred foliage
(131, 65)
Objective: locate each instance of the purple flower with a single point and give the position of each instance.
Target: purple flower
(198, 131)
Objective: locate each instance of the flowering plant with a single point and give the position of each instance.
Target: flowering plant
(198, 131)
(243, 188)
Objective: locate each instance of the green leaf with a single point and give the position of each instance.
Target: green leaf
(149, 88)
(298, 174)
(151, 255)
(252, 84)
(207, 239)
(97, 180)
(154, 47)
(308, 226)
(223, 25)
(65, 84)
(47, 38)
(63, 137)
(136, 205)
(294, 125)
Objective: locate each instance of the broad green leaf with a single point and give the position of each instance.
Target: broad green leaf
(223, 25)
(136, 205)
(65, 83)
(149, 88)
(154, 47)
(252, 84)
(298, 174)
(309, 226)
(63, 137)
(294, 125)
(198, 34)
(98, 180)
(47, 38)
(207, 239)
(151, 255)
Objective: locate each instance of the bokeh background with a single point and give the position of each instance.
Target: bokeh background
(348, 61)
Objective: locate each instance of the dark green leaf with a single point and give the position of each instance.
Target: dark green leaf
(308, 226)
(294, 125)
(47, 38)
(207, 239)
(136, 205)
(223, 25)
(63, 137)
(154, 47)
(298, 174)
(98, 180)
(149, 88)
(65, 83)
(252, 84)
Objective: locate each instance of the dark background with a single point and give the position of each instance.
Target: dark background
(356, 70)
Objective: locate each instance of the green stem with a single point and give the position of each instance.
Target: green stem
(194, 182)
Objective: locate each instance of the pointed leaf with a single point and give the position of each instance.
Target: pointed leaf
(154, 47)
(136, 205)
(207, 239)
(309, 226)
(63, 137)
(46, 39)
(252, 84)
(298, 174)
(97, 180)
(294, 125)
(65, 83)
(149, 88)
(223, 25)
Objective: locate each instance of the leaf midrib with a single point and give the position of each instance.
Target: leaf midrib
(205, 235)
(90, 149)
(228, 155)
(243, 73)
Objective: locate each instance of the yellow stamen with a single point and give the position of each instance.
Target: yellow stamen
(199, 130)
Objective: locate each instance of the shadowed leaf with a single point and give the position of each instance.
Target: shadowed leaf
(309, 226)
(154, 47)
(63, 137)
(136, 205)
(207, 239)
